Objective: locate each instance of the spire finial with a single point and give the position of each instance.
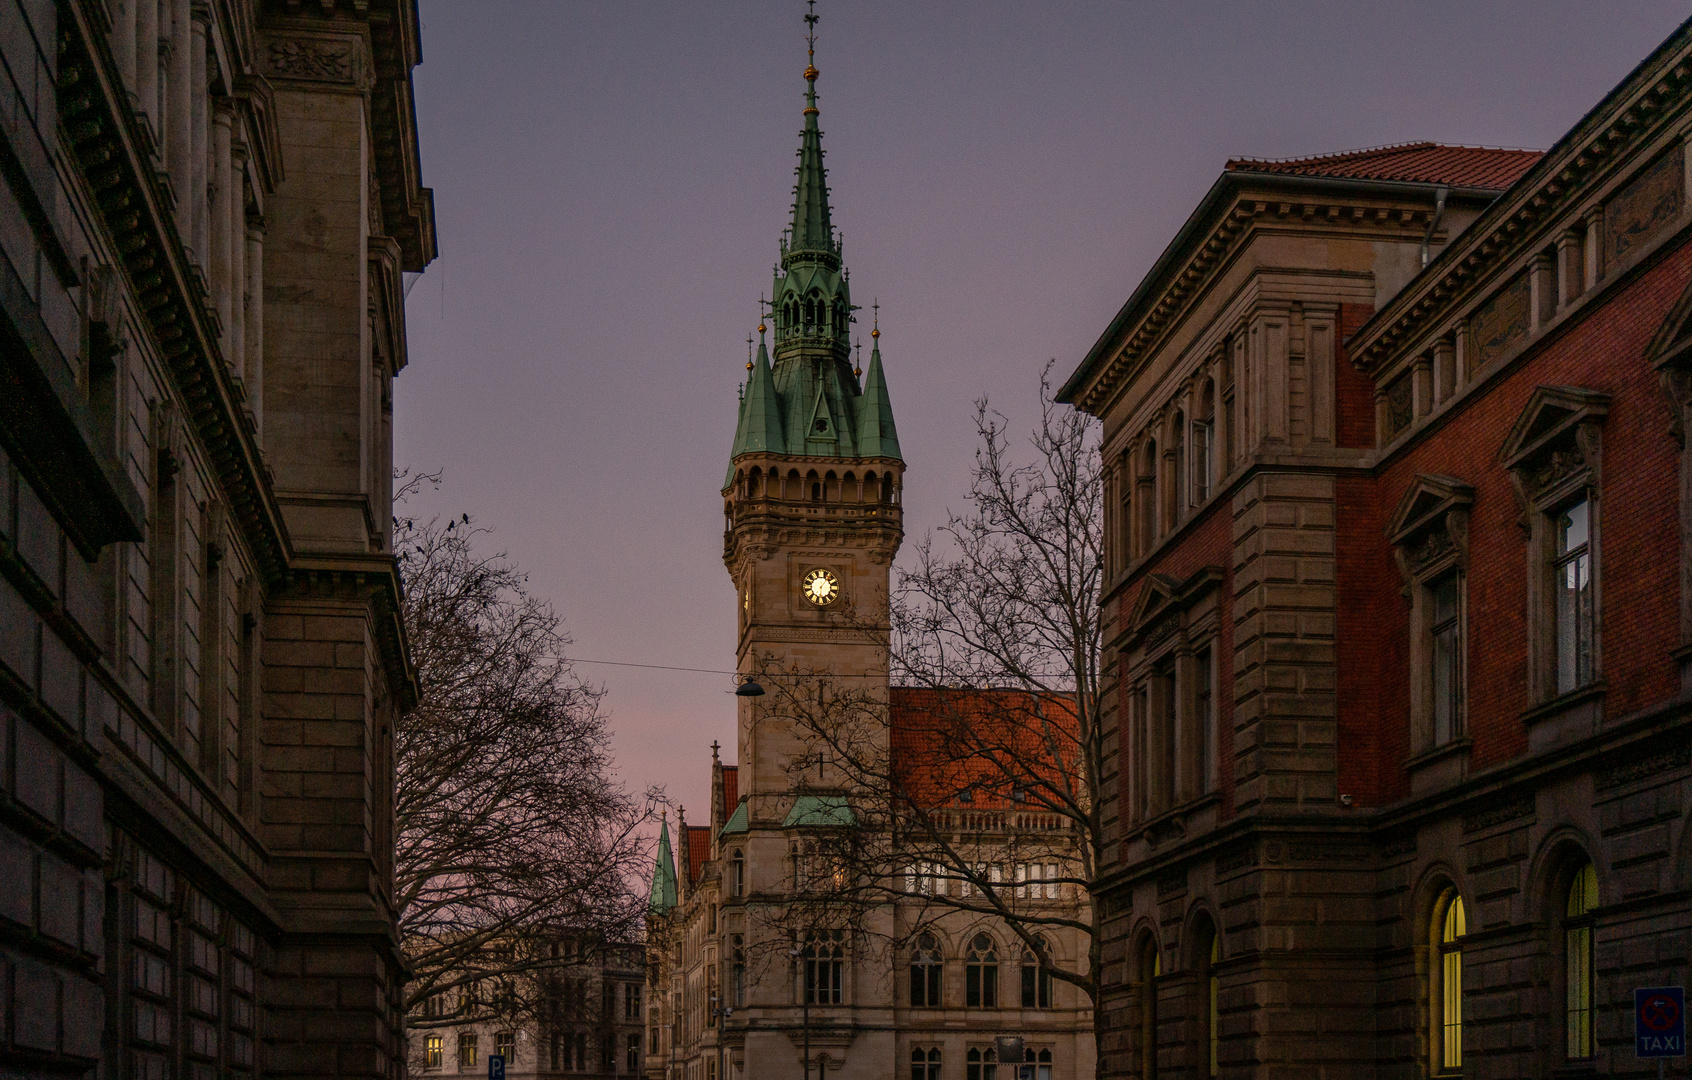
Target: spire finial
(875, 312)
(811, 58)
(748, 352)
(858, 367)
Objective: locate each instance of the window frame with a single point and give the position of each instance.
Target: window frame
(927, 973)
(1580, 986)
(925, 1063)
(981, 974)
(1447, 930)
(1429, 533)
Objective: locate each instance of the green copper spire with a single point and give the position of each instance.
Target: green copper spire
(663, 874)
(812, 229)
(802, 398)
(876, 435)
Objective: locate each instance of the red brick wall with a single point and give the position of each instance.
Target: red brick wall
(1639, 552)
(1354, 392)
(1209, 542)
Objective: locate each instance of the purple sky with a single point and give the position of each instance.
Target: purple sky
(610, 180)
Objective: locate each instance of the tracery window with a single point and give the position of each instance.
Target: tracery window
(825, 960)
(1578, 978)
(1041, 1060)
(926, 969)
(1036, 982)
(737, 873)
(737, 970)
(981, 974)
(925, 1063)
(981, 1063)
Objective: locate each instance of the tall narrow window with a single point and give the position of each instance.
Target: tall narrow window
(1447, 656)
(1577, 962)
(1204, 446)
(981, 974)
(1151, 968)
(1204, 713)
(1178, 471)
(1453, 925)
(1036, 982)
(1574, 614)
(1149, 525)
(634, 1055)
(737, 971)
(981, 1064)
(432, 1048)
(825, 959)
(1125, 511)
(737, 873)
(467, 1050)
(925, 973)
(925, 1063)
(505, 1045)
(1213, 1021)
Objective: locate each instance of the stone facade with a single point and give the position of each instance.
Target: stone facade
(1400, 554)
(207, 210)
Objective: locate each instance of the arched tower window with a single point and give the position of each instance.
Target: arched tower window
(981, 974)
(737, 873)
(925, 973)
(737, 970)
(1577, 961)
(1450, 925)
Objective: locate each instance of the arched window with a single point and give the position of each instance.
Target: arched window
(925, 1064)
(1213, 1013)
(1577, 961)
(1041, 1060)
(816, 486)
(1148, 497)
(981, 1064)
(737, 971)
(1036, 981)
(925, 973)
(825, 961)
(981, 974)
(1151, 969)
(1451, 923)
(737, 873)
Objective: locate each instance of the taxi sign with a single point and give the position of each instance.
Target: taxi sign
(1659, 1022)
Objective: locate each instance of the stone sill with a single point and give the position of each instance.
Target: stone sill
(1565, 718)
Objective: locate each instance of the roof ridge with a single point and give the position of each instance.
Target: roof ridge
(1381, 150)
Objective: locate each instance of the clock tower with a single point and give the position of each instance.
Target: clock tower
(812, 505)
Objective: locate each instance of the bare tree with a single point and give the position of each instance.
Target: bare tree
(983, 796)
(516, 849)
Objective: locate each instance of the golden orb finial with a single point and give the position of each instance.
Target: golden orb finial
(811, 73)
(761, 327)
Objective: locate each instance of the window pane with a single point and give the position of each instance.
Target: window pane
(1574, 622)
(1445, 683)
(1572, 528)
(1578, 972)
(1452, 1009)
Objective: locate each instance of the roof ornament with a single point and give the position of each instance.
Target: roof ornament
(748, 352)
(875, 315)
(811, 72)
(858, 366)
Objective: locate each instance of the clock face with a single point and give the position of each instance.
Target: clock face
(820, 587)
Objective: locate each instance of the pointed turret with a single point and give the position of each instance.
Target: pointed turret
(877, 436)
(663, 873)
(759, 430)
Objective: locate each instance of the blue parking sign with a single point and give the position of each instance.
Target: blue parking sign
(496, 1067)
(1659, 1022)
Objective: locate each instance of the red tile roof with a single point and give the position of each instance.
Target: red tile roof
(731, 790)
(1415, 162)
(950, 742)
(697, 846)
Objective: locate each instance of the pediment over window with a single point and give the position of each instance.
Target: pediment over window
(1553, 449)
(1670, 355)
(1427, 501)
(1163, 598)
(1429, 531)
(1552, 413)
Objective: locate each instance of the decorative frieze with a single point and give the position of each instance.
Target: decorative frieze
(1643, 208)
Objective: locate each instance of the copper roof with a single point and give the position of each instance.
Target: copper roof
(1413, 162)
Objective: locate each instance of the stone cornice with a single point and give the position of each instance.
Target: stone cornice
(1216, 231)
(134, 210)
(1643, 109)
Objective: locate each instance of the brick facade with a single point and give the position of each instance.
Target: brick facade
(1428, 719)
(206, 211)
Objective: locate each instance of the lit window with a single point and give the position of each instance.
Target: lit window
(1151, 969)
(1453, 925)
(981, 974)
(467, 1050)
(505, 1045)
(433, 1049)
(1577, 962)
(1573, 590)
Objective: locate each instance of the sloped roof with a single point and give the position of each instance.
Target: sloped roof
(819, 811)
(697, 848)
(663, 895)
(731, 789)
(737, 822)
(1413, 162)
(953, 745)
